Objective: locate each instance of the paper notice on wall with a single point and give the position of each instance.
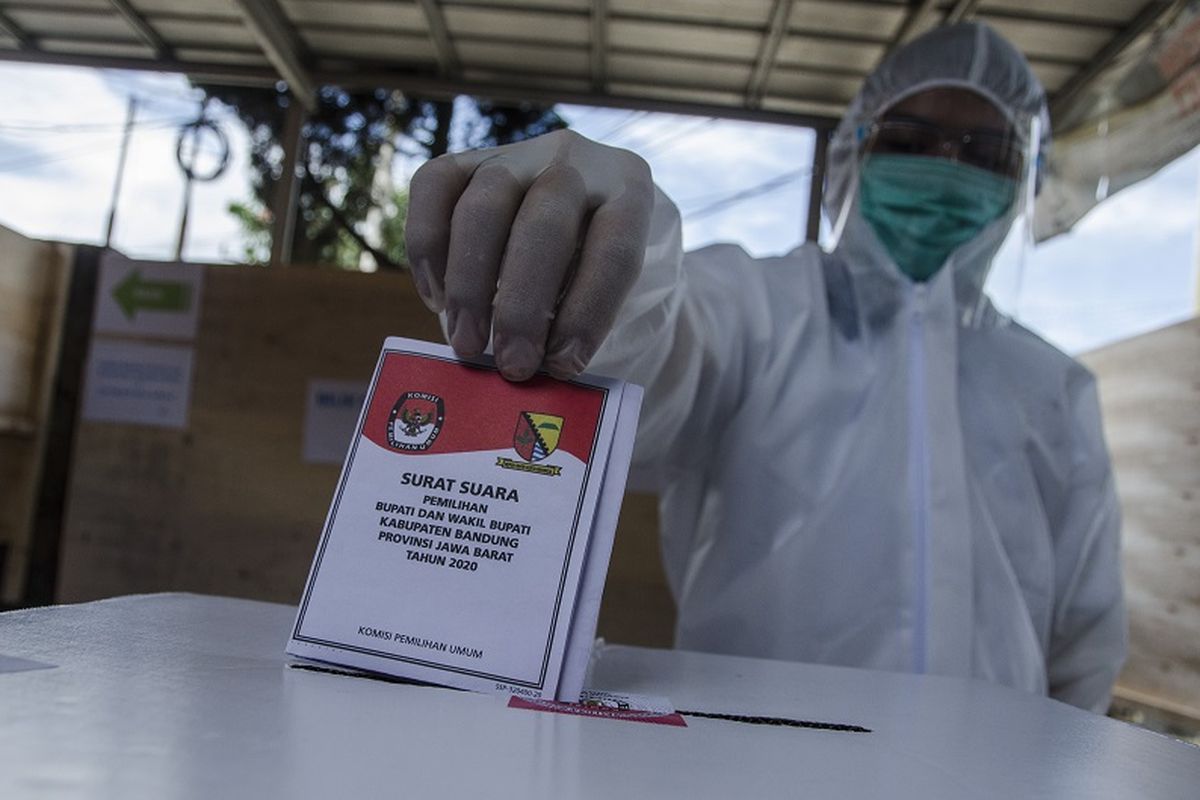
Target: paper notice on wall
(330, 414)
(145, 298)
(144, 384)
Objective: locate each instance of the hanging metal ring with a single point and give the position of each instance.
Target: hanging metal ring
(195, 130)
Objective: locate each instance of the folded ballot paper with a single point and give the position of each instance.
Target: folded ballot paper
(469, 537)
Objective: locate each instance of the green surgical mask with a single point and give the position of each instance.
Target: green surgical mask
(923, 208)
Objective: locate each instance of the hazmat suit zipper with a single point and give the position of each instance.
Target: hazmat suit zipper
(918, 470)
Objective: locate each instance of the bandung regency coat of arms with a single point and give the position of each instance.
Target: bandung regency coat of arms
(536, 435)
(534, 439)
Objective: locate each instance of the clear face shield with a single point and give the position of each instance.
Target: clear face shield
(1005, 279)
(944, 179)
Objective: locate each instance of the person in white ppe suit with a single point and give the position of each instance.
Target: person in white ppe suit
(861, 462)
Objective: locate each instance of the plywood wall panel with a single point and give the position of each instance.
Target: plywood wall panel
(33, 284)
(228, 506)
(1150, 394)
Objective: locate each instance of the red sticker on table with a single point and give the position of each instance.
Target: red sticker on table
(603, 712)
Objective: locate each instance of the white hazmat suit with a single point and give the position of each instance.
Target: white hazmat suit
(850, 472)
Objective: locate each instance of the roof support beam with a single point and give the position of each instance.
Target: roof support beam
(963, 9)
(244, 75)
(769, 47)
(229, 74)
(24, 40)
(816, 185)
(518, 93)
(281, 45)
(143, 28)
(446, 56)
(1081, 81)
(287, 190)
(599, 24)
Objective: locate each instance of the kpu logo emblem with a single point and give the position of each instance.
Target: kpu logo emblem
(535, 438)
(415, 421)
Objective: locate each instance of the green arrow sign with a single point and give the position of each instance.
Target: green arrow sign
(135, 294)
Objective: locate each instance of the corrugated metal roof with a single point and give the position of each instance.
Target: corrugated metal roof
(798, 60)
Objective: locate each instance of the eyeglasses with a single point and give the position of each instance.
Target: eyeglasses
(990, 150)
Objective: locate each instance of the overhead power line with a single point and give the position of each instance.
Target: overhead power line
(656, 146)
(633, 117)
(778, 182)
(27, 162)
(101, 140)
(88, 127)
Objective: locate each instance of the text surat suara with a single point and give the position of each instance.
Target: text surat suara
(464, 487)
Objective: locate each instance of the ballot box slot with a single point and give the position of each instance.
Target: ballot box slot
(744, 719)
(371, 676)
(748, 719)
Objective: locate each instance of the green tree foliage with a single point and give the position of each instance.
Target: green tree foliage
(348, 203)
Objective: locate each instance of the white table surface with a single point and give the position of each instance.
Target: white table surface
(162, 696)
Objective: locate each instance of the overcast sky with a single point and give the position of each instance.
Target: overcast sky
(1129, 267)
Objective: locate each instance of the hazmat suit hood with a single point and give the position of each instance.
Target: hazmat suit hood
(968, 56)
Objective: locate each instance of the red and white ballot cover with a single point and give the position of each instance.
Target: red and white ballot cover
(470, 532)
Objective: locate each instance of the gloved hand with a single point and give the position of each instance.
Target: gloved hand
(537, 242)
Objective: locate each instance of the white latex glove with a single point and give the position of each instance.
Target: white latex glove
(536, 242)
